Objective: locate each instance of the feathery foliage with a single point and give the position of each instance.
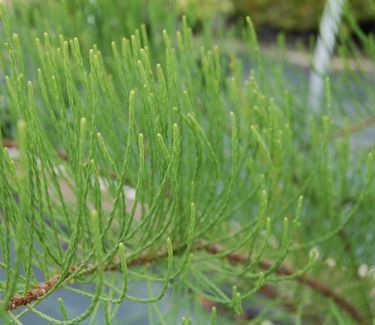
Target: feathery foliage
(238, 187)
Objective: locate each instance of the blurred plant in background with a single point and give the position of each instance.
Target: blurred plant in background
(205, 9)
(297, 15)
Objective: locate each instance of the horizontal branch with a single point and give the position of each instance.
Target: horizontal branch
(269, 292)
(320, 288)
(316, 285)
(234, 258)
(357, 127)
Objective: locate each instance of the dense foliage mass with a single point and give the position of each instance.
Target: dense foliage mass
(163, 159)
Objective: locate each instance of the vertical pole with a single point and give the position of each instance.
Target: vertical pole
(323, 51)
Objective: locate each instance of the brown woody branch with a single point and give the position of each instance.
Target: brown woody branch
(9, 143)
(366, 123)
(320, 288)
(234, 258)
(354, 128)
(267, 291)
(317, 286)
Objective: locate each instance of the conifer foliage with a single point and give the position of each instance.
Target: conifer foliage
(137, 155)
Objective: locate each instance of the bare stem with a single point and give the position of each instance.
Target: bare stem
(320, 288)
(357, 127)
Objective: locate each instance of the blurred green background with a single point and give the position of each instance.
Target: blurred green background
(297, 15)
(289, 15)
(102, 21)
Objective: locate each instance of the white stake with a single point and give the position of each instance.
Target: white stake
(323, 51)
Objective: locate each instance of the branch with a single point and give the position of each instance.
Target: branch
(12, 144)
(366, 123)
(317, 286)
(234, 258)
(268, 292)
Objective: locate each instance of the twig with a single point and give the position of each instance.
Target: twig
(366, 123)
(12, 144)
(34, 294)
(316, 285)
(268, 292)
(42, 288)
(234, 258)
(354, 128)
